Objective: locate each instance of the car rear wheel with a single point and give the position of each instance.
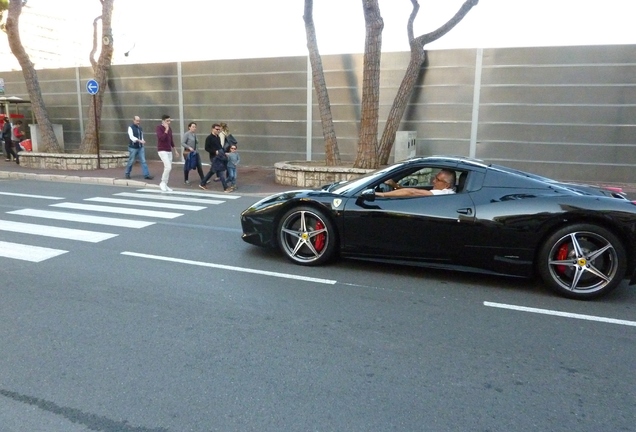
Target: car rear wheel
(306, 236)
(582, 261)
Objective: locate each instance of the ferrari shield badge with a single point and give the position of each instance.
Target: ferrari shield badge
(336, 203)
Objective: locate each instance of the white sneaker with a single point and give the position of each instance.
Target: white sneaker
(163, 187)
(168, 189)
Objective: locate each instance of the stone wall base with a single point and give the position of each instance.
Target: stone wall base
(306, 174)
(70, 161)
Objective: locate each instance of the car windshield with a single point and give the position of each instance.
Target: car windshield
(343, 188)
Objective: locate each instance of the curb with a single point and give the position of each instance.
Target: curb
(74, 179)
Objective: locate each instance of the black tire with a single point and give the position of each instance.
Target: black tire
(306, 236)
(582, 261)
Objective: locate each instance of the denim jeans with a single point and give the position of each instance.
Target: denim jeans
(219, 174)
(8, 147)
(231, 175)
(134, 154)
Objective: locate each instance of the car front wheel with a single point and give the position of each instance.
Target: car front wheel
(582, 261)
(306, 236)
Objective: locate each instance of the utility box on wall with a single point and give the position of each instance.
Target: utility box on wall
(404, 145)
(36, 137)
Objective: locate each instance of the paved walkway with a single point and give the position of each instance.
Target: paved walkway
(250, 179)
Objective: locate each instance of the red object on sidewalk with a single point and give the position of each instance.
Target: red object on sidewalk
(26, 145)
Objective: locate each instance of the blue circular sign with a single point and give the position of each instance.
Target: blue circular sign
(92, 87)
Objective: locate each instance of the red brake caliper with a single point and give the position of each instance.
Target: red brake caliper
(561, 255)
(319, 240)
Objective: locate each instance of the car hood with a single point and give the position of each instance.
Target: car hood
(294, 195)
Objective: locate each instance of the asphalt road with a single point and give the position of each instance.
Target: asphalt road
(180, 326)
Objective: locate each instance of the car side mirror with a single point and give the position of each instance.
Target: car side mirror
(368, 195)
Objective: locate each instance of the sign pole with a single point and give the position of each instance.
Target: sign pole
(99, 164)
(92, 87)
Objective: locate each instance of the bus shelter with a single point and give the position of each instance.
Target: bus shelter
(15, 108)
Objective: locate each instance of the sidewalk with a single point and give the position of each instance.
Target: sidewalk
(258, 180)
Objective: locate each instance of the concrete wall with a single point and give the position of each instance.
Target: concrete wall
(564, 112)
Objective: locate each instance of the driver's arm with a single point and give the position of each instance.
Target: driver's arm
(404, 192)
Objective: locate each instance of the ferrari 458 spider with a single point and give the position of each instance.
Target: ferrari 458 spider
(579, 239)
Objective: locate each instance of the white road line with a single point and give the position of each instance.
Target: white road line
(146, 203)
(561, 314)
(232, 268)
(55, 232)
(28, 253)
(197, 194)
(120, 210)
(73, 217)
(31, 196)
(169, 198)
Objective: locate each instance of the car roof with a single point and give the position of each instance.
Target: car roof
(467, 162)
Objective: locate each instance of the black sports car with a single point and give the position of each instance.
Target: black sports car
(580, 239)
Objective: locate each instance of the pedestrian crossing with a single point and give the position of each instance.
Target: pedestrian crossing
(99, 216)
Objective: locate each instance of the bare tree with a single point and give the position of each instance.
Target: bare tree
(370, 153)
(367, 156)
(418, 57)
(101, 67)
(47, 136)
(332, 153)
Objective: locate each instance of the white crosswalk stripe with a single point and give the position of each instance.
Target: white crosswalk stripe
(75, 217)
(55, 232)
(169, 198)
(223, 196)
(120, 210)
(31, 196)
(28, 253)
(146, 203)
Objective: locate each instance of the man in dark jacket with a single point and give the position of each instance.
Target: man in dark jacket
(212, 146)
(136, 148)
(8, 144)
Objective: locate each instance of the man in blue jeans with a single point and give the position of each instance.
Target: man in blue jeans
(136, 147)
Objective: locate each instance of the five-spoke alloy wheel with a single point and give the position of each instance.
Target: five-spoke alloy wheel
(582, 261)
(306, 236)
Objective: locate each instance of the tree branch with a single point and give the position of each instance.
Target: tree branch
(434, 35)
(409, 26)
(94, 50)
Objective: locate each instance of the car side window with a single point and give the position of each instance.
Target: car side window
(420, 178)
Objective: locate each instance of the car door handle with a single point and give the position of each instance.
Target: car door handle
(465, 211)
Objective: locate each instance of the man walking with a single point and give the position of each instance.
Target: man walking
(165, 149)
(8, 144)
(212, 146)
(136, 148)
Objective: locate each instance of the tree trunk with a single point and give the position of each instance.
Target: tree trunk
(367, 156)
(47, 136)
(332, 154)
(101, 67)
(418, 56)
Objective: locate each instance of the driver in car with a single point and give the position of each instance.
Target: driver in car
(443, 184)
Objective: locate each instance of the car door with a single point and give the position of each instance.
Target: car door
(415, 228)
